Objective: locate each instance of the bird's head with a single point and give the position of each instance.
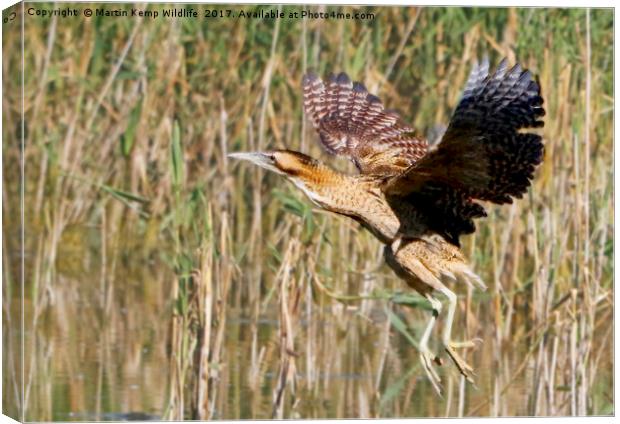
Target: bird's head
(294, 165)
(306, 173)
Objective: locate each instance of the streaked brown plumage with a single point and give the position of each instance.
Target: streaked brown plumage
(415, 199)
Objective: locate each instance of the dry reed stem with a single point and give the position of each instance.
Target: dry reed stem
(243, 94)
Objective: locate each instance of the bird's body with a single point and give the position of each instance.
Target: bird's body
(360, 197)
(418, 201)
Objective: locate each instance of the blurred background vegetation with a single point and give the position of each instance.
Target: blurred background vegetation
(163, 281)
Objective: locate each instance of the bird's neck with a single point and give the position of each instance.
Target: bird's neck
(317, 175)
(321, 184)
(338, 192)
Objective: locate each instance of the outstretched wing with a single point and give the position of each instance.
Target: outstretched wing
(353, 123)
(484, 153)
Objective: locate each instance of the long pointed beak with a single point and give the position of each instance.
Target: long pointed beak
(258, 158)
(251, 156)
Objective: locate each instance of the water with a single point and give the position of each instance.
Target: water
(101, 350)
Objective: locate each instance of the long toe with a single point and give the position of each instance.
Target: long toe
(427, 359)
(464, 368)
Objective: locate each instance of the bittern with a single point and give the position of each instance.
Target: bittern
(418, 200)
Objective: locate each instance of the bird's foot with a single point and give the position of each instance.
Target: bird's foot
(464, 368)
(428, 358)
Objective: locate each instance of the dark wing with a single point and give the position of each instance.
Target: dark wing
(484, 152)
(353, 123)
(448, 211)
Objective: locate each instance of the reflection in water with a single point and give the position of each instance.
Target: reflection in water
(101, 352)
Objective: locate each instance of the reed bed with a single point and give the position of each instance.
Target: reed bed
(164, 281)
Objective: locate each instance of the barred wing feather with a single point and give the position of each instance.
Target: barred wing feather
(354, 123)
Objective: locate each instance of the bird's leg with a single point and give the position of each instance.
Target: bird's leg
(426, 355)
(449, 345)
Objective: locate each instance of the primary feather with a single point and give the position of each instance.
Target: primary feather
(484, 153)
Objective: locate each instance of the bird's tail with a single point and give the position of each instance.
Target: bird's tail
(461, 271)
(464, 273)
(448, 262)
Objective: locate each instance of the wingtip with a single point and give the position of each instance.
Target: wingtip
(484, 64)
(343, 79)
(526, 75)
(309, 77)
(371, 98)
(358, 87)
(517, 72)
(501, 69)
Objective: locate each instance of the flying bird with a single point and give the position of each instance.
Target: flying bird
(417, 199)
